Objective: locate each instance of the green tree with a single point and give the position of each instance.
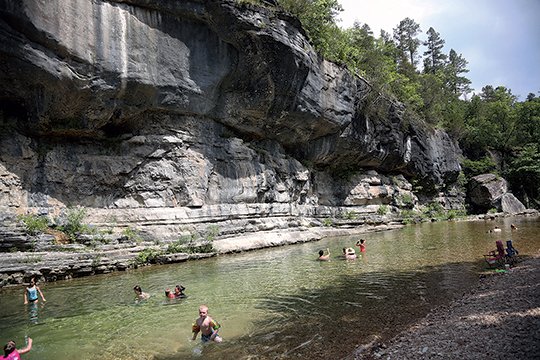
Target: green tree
(524, 175)
(434, 58)
(528, 120)
(318, 18)
(434, 98)
(455, 67)
(407, 42)
(491, 122)
(454, 114)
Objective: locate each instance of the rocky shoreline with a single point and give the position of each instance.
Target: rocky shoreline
(498, 319)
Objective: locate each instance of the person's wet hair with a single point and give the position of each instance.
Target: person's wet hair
(137, 288)
(321, 252)
(9, 347)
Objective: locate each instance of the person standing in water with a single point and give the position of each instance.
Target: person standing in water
(207, 326)
(31, 293)
(361, 244)
(11, 352)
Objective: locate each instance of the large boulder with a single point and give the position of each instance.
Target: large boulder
(489, 191)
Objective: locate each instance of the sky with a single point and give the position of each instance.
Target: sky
(500, 39)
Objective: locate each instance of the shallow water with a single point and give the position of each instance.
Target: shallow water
(272, 303)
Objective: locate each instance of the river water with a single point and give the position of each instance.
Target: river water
(277, 303)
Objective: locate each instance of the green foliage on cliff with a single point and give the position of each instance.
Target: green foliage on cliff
(33, 224)
(74, 222)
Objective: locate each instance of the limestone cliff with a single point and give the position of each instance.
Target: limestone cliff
(168, 113)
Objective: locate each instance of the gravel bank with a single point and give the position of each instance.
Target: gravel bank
(499, 319)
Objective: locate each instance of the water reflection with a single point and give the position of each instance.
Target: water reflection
(33, 312)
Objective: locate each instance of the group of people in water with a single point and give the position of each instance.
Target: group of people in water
(497, 229)
(177, 294)
(348, 252)
(204, 324)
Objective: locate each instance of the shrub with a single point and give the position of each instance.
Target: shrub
(34, 224)
(211, 232)
(74, 223)
(147, 256)
(434, 210)
(485, 165)
(132, 234)
(382, 210)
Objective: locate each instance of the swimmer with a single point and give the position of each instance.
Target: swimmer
(207, 326)
(140, 295)
(179, 292)
(31, 293)
(349, 253)
(11, 352)
(513, 227)
(322, 256)
(169, 294)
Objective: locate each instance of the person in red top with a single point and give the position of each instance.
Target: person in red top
(361, 245)
(169, 294)
(11, 352)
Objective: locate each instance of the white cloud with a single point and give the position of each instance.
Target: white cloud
(386, 15)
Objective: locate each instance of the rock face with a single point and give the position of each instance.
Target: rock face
(489, 191)
(182, 112)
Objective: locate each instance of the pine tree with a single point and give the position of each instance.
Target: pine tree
(456, 66)
(405, 36)
(434, 59)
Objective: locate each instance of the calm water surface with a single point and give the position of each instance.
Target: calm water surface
(273, 303)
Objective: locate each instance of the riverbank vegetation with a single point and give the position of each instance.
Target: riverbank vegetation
(498, 132)
(72, 227)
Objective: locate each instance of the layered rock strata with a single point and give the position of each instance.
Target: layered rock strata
(170, 116)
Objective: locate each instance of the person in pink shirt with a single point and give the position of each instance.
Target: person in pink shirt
(11, 352)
